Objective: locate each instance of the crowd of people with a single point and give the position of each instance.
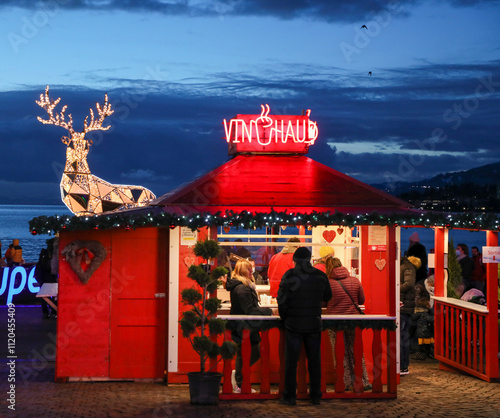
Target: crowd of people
(46, 269)
(303, 287)
(417, 289)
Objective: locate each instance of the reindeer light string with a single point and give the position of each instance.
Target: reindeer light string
(82, 192)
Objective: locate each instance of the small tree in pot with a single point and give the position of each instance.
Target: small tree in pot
(199, 324)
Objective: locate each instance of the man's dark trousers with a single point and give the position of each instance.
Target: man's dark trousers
(312, 345)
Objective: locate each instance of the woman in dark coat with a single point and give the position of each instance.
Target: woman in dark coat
(244, 301)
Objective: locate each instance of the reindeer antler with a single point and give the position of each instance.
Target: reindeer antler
(58, 119)
(104, 112)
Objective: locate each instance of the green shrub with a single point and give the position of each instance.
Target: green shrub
(199, 324)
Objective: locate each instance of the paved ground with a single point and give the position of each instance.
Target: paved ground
(426, 392)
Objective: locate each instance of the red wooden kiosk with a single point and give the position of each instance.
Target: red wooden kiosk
(123, 323)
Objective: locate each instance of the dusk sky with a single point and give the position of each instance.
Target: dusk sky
(174, 69)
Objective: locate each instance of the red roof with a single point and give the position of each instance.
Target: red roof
(259, 183)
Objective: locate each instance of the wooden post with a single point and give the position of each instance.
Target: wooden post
(392, 374)
(491, 325)
(439, 253)
(377, 361)
(339, 360)
(265, 371)
(245, 357)
(358, 360)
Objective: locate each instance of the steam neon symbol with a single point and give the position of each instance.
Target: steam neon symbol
(264, 116)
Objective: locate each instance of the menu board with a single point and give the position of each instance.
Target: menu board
(377, 238)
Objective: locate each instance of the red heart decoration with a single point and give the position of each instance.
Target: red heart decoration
(340, 231)
(227, 229)
(329, 235)
(380, 263)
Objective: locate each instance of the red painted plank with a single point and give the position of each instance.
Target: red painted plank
(358, 360)
(377, 361)
(324, 353)
(245, 356)
(476, 342)
(339, 359)
(265, 386)
(470, 342)
(392, 378)
(491, 321)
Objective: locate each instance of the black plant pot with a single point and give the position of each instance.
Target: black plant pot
(204, 387)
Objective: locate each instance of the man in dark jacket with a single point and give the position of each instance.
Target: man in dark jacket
(416, 249)
(408, 273)
(301, 294)
(467, 266)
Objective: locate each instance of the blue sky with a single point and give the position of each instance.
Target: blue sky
(174, 70)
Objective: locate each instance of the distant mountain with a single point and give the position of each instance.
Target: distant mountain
(476, 190)
(485, 175)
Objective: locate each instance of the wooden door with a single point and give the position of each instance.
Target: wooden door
(138, 303)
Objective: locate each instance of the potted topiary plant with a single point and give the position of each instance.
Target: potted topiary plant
(199, 324)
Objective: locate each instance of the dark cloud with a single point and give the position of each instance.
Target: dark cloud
(405, 125)
(334, 11)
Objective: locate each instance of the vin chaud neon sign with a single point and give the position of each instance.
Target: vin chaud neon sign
(270, 133)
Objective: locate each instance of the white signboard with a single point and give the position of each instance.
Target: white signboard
(188, 237)
(377, 238)
(491, 255)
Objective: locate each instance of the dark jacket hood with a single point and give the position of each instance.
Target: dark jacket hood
(232, 283)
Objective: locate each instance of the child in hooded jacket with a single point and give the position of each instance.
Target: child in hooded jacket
(423, 318)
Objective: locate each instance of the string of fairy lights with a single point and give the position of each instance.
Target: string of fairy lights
(248, 220)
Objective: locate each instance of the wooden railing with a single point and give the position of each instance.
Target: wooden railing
(268, 377)
(461, 335)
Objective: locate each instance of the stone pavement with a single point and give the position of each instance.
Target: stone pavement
(425, 392)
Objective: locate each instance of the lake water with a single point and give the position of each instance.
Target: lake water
(426, 235)
(14, 224)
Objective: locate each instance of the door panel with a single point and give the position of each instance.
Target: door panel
(138, 303)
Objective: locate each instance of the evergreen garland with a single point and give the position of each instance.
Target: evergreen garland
(247, 220)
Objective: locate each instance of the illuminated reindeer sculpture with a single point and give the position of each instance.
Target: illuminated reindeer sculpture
(82, 192)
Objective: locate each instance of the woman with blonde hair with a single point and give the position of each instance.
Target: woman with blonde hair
(347, 294)
(244, 301)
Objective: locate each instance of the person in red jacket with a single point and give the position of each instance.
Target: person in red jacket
(347, 294)
(280, 263)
